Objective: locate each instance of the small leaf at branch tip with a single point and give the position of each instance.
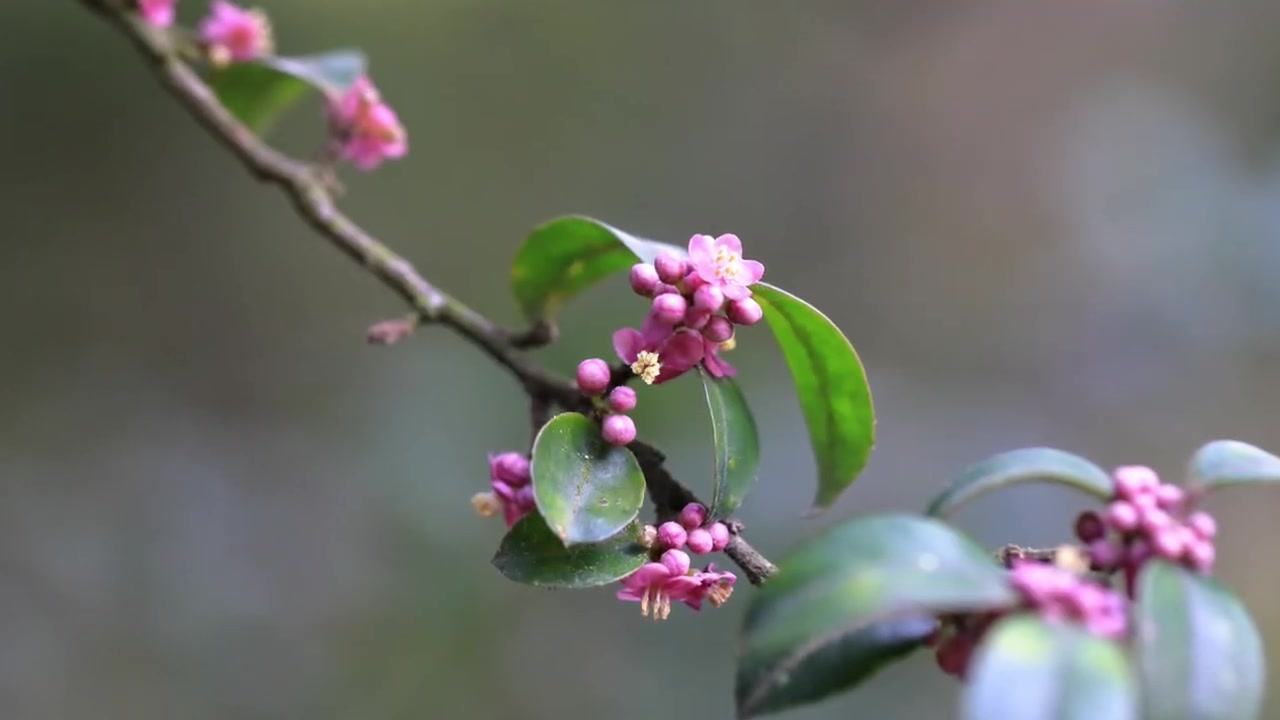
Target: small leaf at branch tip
(390, 332)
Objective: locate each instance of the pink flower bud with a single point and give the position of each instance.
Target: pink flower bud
(672, 535)
(1122, 516)
(157, 13)
(693, 515)
(718, 329)
(719, 536)
(693, 281)
(700, 541)
(1201, 554)
(619, 430)
(1168, 543)
(644, 279)
(511, 468)
(1104, 555)
(1089, 527)
(1134, 480)
(622, 399)
(524, 498)
(1153, 520)
(668, 308)
(708, 298)
(676, 561)
(671, 267)
(1203, 525)
(668, 289)
(593, 376)
(503, 490)
(744, 312)
(1138, 553)
(696, 319)
(1169, 497)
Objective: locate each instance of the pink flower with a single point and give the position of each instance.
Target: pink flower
(713, 587)
(157, 13)
(234, 34)
(656, 353)
(657, 584)
(368, 130)
(719, 262)
(716, 366)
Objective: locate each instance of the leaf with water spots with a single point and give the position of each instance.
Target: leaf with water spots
(854, 599)
(586, 489)
(532, 554)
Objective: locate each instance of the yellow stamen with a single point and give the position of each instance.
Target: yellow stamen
(644, 602)
(719, 594)
(486, 504)
(647, 366)
(729, 344)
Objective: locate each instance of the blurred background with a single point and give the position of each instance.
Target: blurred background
(1040, 223)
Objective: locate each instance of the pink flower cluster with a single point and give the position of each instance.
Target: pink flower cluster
(367, 131)
(512, 493)
(1054, 593)
(672, 578)
(1147, 519)
(231, 33)
(157, 13)
(684, 326)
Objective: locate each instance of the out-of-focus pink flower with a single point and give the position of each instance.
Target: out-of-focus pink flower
(235, 34)
(367, 130)
(157, 13)
(719, 262)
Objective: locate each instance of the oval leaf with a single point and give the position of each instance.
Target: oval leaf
(567, 255)
(1198, 649)
(831, 385)
(1027, 465)
(586, 489)
(259, 92)
(1230, 462)
(737, 443)
(1030, 669)
(532, 554)
(853, 599)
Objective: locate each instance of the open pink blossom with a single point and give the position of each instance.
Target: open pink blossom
(656, 353)
(235, 34)
(157, 13)
(368, 131)
(656, 584)
(719, 262)
(713, 587)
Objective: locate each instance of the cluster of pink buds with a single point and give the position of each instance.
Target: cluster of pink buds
(656, 584)
(1147, 519)
(1051, 591)
(594, 378)
(231, 33)
(512, 493)
(685, 325)
(157, 13)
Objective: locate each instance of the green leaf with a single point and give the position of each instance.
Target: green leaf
(853, 599)
(737, 444)
(259, 92)
(831, 385)
(586, 489)
(1230, 462)
(532, 554)
(1037, 464)
(1198, 649)
(1030, 669)
(567, 255)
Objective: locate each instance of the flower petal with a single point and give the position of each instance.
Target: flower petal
(654, 332)
(753, 270)
(735, 292)
(679, 354)
(628, 343)
(717, 366)
(702, 249)
(729, 242)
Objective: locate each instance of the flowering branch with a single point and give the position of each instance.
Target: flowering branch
(310, 190)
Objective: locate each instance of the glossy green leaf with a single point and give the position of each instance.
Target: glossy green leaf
(1198, 650)
(1037, 464)
(259, 92)
(853, 599)
(1230, 462)
(1028, 668)
(567, 255)
(532, 554)
(832, 387)
(736, 443)
(586, 489)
